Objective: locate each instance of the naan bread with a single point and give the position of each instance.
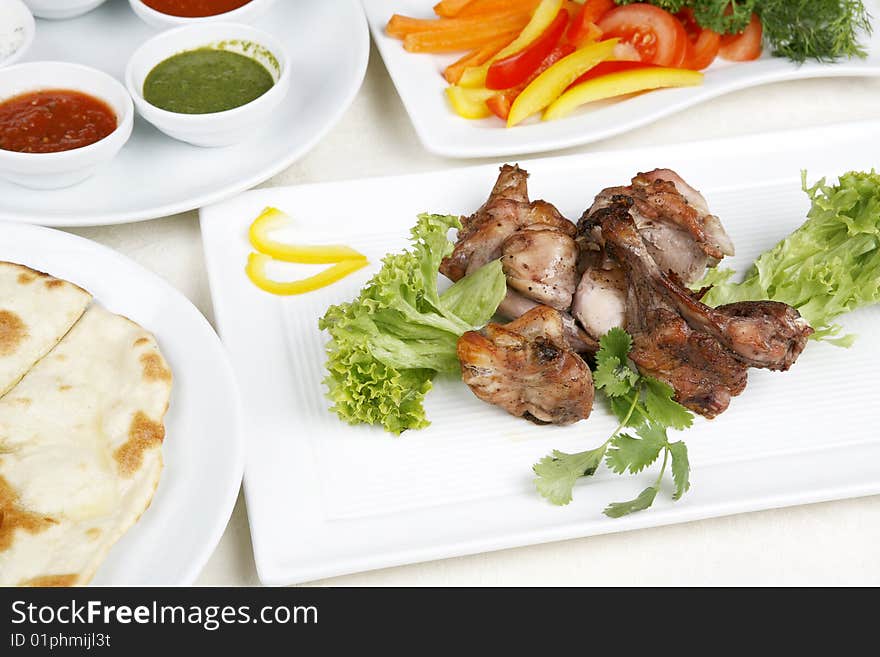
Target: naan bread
(80, 450)
(36, 310)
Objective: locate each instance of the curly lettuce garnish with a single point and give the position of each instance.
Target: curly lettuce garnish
(387, 345)
(827, 267)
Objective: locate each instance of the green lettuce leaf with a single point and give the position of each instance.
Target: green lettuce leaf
(827, 267)
(387, 345)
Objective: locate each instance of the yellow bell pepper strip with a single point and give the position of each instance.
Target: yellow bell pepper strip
(256, 271)
(470, 103)
(547, 87)
(544, 15)
(272, 219)
(619, 84)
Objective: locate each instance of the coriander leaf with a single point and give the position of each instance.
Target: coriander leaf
(662, 408)
(642, 502)
(626, 453)
(612, 374)
(615, 378)
(616, 343)
(620, 406)
(680, 468)
(558, 473)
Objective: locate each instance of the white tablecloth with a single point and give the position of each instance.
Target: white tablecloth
(830, 543)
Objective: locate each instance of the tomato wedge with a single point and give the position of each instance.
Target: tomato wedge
(747, 45)
(515, 69)
(583, 26)
(703, 44)
(657, 35)
(606, 68)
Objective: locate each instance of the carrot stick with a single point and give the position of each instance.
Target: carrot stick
(450, 8)
(476, 57)
(400, 27)
(446, 41)
(483, 7)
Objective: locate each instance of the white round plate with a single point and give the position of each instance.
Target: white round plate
(203, 449)
(154, 175)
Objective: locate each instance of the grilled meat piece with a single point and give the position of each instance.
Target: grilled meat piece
(506, 211)
(599, 302)
(542, 265)
(674, 222)
(516, 305)
(765, 334)
(704, 374)
(528, 368)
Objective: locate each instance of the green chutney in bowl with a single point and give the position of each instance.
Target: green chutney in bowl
(208, 80)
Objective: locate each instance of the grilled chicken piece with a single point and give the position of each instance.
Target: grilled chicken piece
(527, 368)
(765, 334)
(506, 211)
(542, 265)
(599, 302)
(515, 305)
(537, 248)
(704, 375)
(674, 222)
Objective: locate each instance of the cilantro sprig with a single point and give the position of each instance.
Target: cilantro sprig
(644, 406)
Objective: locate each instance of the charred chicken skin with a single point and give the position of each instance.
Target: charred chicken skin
(528, 368)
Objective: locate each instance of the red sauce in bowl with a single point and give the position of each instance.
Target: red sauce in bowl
(194, 8)
(53, 120)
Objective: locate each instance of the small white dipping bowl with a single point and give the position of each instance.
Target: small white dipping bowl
(59, 9)
(218, 128)
(22, 25)
(244, 14)
(64, 168)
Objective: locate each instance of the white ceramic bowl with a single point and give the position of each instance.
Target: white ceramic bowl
(23, 19)
(244, 14)
(65, 168)
(59, 9)
(218, 128)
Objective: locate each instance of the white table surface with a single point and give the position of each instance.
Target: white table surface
(829, 543)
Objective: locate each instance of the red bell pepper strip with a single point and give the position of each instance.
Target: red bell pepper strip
(500, 103)
(515, 69)
(583, 26)
(604, 68)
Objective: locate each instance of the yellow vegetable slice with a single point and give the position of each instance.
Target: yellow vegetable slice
(272, 219)
(256, 271)
(475, 76)
(619, 84)
(469, 103)
(547, 87)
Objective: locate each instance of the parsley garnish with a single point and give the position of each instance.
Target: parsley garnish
(644, 406)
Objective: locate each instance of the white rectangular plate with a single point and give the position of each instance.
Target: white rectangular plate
(325, 498)
(421, 85)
